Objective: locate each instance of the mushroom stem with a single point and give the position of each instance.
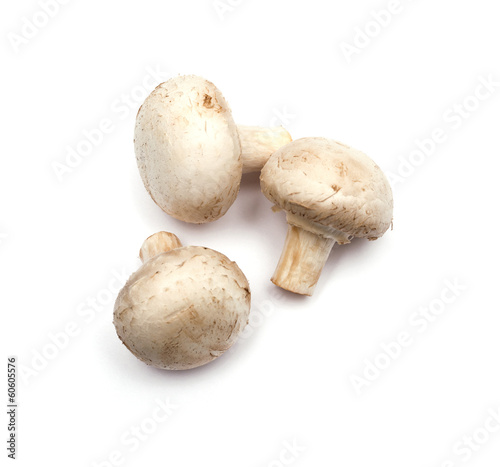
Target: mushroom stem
(158, 243)
(302, 260)
(258, 143)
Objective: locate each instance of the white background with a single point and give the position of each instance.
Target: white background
(291, 381)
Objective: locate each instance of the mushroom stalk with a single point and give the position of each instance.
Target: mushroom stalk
(302, 260)
(258, 143)
(157, 244)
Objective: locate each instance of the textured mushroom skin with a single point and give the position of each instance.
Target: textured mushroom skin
(188, 149)
(183, 308)
(329, 188)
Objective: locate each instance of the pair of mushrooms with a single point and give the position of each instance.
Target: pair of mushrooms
(191, 156)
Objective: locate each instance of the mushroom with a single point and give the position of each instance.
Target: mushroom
(184, 307)
(191, 154)
(331, 193)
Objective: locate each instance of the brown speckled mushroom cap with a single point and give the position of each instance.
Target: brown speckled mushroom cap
(329, 188)
(188, 149)
(182, 308)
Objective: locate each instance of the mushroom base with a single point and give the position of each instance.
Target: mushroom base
(302, 260)
(258, 143)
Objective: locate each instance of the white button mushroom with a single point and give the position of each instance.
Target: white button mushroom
(190, 152)
(184, 307)
(330, 193)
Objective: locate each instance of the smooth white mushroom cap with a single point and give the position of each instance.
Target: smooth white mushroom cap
(188, 149)
(182, 308)
(329, 188)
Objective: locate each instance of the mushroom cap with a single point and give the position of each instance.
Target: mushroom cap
(182, 308)
(329, 188)
(188, 149)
